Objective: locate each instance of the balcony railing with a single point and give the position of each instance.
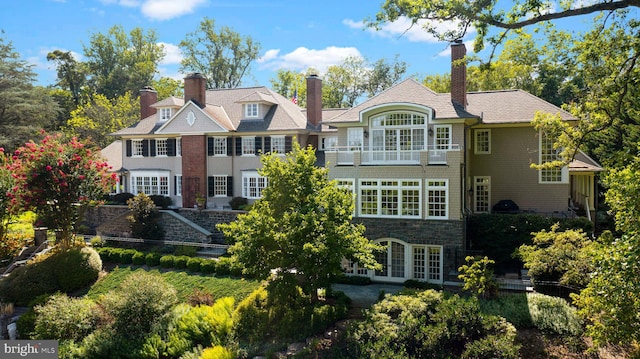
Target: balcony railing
(351, 156)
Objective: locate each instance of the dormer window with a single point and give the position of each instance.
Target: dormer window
(251, 110)
(165, 114)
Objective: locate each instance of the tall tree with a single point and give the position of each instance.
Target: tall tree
(118, 62)
(301, 227)
(222, 55)
(102, 116)
(166, 87)
(24, 108)
(71, 74)
(289, 82)
(384, 74)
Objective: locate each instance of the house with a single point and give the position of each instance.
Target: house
(418, 162)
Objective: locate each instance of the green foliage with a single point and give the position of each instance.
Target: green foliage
(351, 279)
(222, 55)
(558, 256)
(477, 276)
(163, 202)
(554, 315)
(138, 258)
(152, 259)
(430, 325)
(180, 262)
(217, 352)
(237, 203)
(514, 307)
(190, 251)
(121, 198)
(65, 318)
(144, 218)
(499, 235)
(251, 317)
(167, 261)
(416, 284)
(208, 266)
(27, 322)
(193, 264)
(140, 304)
(301, 225)
(228, 266)
(125, 255)
(76, 267)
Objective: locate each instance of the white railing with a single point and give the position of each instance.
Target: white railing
(435, 155)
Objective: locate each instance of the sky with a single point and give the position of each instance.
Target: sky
(293, 35)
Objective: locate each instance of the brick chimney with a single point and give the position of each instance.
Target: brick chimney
(195, 87)
(148, 96)
(458, 74)
(314, 100)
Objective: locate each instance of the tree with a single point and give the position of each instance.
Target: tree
(71, 74)
(118, 63)
(224, 57)
(384, 74)
(24, 108)
(102, 116)
(301, 227)
(289, 82)
(143, 220)
(167, 87)
(55, 178)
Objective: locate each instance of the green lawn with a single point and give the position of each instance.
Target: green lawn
(184, 282)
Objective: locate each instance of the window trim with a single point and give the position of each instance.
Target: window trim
(355, 134)
(166, 148)
(476, 149)
(137, 147)
(436, 145)
(426, 266)
(379, 188)
(158, 175)
(475, 194)
(252, 147)
(164, 114)
(216, 141)
(179, 185)
(216, 184)
(246, 181)
(446, 197)
(272, 149)
(552, 156)
(332, 141)
(251, 110)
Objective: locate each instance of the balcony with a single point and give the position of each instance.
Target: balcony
(430, 155)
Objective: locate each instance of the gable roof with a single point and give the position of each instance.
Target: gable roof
(510, 106)
(171, 101)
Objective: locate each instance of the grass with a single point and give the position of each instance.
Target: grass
(184, 282)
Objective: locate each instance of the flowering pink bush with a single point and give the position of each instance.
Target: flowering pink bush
(54, 178)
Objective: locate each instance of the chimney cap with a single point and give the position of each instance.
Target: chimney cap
(147, 88)
(457, 41)
(195, 75)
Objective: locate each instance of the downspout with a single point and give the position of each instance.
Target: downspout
(466, 211)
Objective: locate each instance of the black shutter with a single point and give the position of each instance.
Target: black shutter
(229, 186)
(267, 144)
(238, 146)
(145, 148)
(128, 145)
(210, 146)
(211, 185)
(258, 143)
(152, 147)
(175, 185)
(229, 146)
(171, 147)
(287, 144)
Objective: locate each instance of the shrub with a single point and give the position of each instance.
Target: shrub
(126, 255)
(121, 198)
(217, 352)
(167, 261)
(554, 315)
(190, 251)
(180, 262)
(163, 202)
(208, 266)
(251, 318)
(352, 279)
(138, 258)
(513, 307)
(193, 264)
(76, 267)
(27, 321)
(199, 297)
(477, 276)
(228, 266)
(142, 302)
(416, 284)
(97, 242)
(144, 217)
(65, 318)
(237, 203)
(152, 259)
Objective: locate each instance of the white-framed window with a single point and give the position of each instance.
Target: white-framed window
(437, 199)
(165, 114)
(550, 154)
(395, 135)
(251, 110)
(427, 263)
(178, 146)
(390, 198)
(328, 143)
(277, 144)
(442, 138)
(392, 259)
(252, 185)
(482, 194)
(161, 147)
(352, 268)
(150, 182)
(348, 183)
(219, 146)
(178, 185)
(482, 142)
(248, 146)
(219, 186)
(355, 138)
(136, 148)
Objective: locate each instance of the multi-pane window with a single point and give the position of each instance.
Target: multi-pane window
(482, 142)
(419, 263)
(390, 198)
(178, 185)
(277, 144)
(392, 260)
(178, 146)
(136, 148)
(161, 147)
(550, 154)
(219, 146)
(434, 264)
(252, 185)
(427, 263)
(165, 113)
(150, 184)
(396, 135)
(220, 186)
(251, 110)
(442, 137)
(437, 199)
(328, 143)
(482, 193)
(354, 138)
(248, 146)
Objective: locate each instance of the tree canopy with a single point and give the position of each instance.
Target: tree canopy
(300, 229)
(222, 55)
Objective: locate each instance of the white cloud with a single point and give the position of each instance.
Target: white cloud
(125, 3)
(168, 9)
(171, 73)
(402, 28)
(269, 55)
(173, 54)
(303, 58)
(447, 52)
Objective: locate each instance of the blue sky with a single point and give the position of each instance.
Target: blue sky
(293, 35)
